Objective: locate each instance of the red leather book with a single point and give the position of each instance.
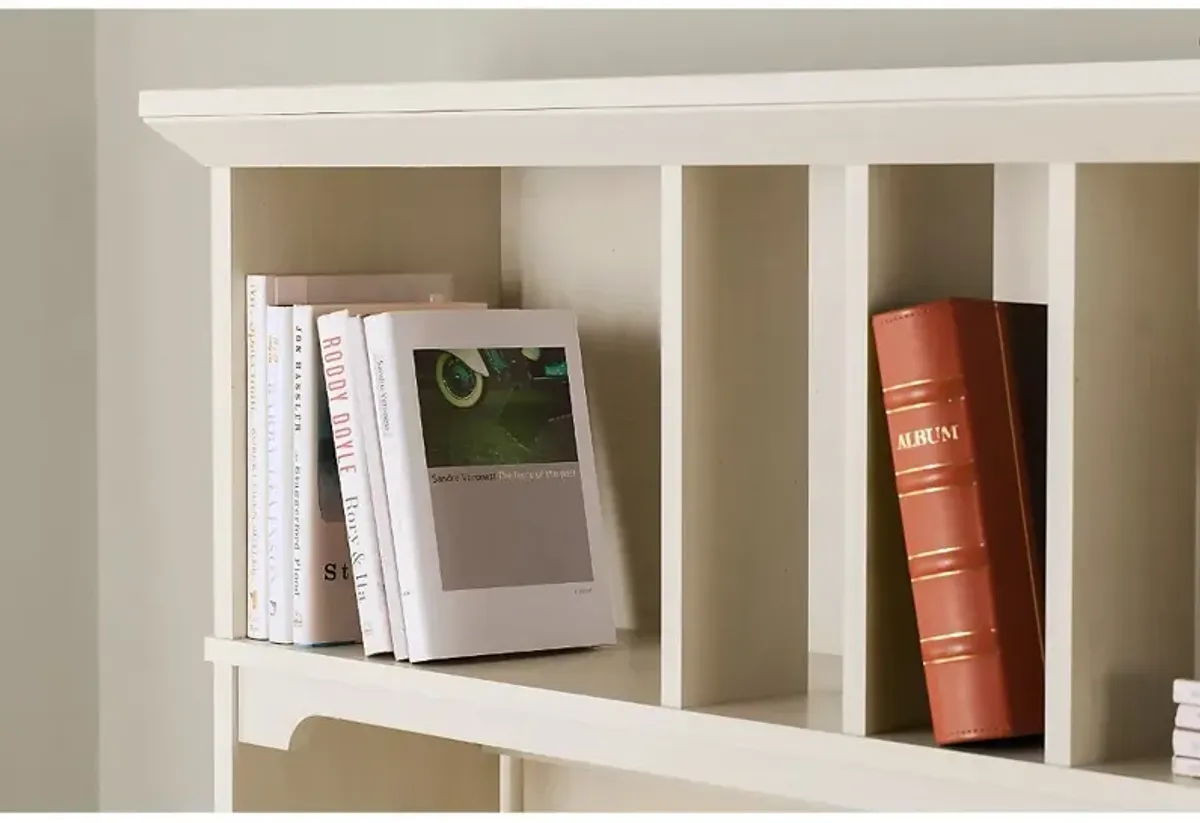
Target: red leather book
(964, 393)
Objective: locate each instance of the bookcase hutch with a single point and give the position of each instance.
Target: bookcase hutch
(724, 240)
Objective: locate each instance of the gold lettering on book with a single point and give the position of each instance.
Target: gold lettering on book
(927, 436)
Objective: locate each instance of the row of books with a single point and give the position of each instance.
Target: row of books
(420, 475)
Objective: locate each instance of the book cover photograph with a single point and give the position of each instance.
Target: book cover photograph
(499, 440)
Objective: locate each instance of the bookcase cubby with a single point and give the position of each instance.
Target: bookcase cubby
(584, 239)
(724, 243)
(1111, 248)
(927, 234)
(1123, 480)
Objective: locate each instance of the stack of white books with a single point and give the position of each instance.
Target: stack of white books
(1185, 742)
(420, 475)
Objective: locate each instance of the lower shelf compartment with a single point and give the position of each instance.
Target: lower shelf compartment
(600, 708)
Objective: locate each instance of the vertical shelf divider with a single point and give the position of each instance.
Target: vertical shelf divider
(1060, 416)
(827, 257)
(1122, 457)
(512, 783)
(229, 477)
(735, 314)
(838, 253)
(672, 418)
(229, 414)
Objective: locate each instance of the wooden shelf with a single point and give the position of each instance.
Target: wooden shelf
(724, 241)
(596, 707)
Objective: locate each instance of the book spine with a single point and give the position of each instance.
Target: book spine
(323, 608)
(304, 457)
(346, 426)
(256, 458)
(1185, 766)
(385, 379)
(1187, 717)
(365, 390)
(1185, 743)
(956, 431)
(1186, 691)
(279, 474)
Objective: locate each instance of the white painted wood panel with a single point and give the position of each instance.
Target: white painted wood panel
(1129, 488)
(547, 715)
(228, 376)
(1060, 456)
(993, 132)
(1021, 193)
(968, 84)
(512, 783)
(828, 259)
(552, 786)
(672, 526)
(838, 260)
(742, 356)
(225, 736)
(392, 772)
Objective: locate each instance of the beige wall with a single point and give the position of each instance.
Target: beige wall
(47, 406)
(153, 407)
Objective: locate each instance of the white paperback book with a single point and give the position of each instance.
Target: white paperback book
(1185, 766)
(1187, 716)
(345, 373)
(491, 481)
(1185, 743)
(279, 473)
(364, 391)
(256, 458)
(1186, 691)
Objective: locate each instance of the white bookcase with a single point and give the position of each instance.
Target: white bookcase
(724, 240)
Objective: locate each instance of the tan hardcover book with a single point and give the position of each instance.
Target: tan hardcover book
(314, 289)
(367, 309)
